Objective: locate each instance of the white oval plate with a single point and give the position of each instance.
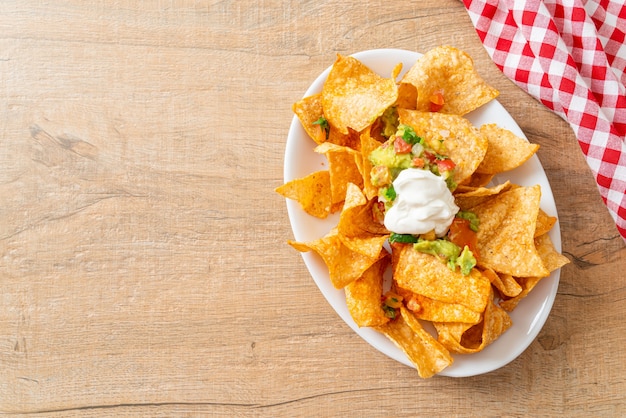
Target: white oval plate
(531, 313)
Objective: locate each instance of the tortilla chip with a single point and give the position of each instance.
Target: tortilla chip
(344, 166)
(407, 96)
(551, 258)
(309, 110)
(428, 355)
(527, 284)
(353, 95)
(506, 284)
(312, 192)
(368, 144)
(545, 223)
(450, 135)
(436, 311)
(368, 246)
(355, 222)
(428, 275)
(449, 334)
(467, 197)
(354, 199)
(464, 339)
(363, 296)
(359, 222)
(344, 265)
(450, 71)
(506, 233)
(506, 150)
(478, 180)
(552, 261)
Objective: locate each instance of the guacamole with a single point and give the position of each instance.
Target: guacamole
(386, 156)
(450, 252)
(405, 149)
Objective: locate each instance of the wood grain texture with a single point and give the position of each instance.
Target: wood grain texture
(143, 264)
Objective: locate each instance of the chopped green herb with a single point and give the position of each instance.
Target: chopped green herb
(402, 238)
(323, 123)
(390, 193)
(389, 312)
(409, 136)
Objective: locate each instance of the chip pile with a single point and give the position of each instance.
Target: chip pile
(466, 311)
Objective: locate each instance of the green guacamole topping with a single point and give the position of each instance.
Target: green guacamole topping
(449, 252)
(385, 155)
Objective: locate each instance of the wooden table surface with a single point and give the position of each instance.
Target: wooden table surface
(144, 269)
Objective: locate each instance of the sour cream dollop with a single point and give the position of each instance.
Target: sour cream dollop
(423, 202)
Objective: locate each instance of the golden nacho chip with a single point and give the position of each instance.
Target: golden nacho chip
(367, 245)
(407, 96)
(309, 111)
(359, 222)
(467, 338)
(422, 349)
(344, 166)
(506, 284)
(506, 232)
(551, 258)
(527, 284)
(432, 310)
(312, 192)
(545, 223)
(428, 275)
(344, 265)
(368, 144)
(353, 95)
(481, 191)
(355, 223)
(478, 180)
(506, 150)
(363, 296)
(449, 334)
(450, 72)
(450, 135)
(466, 198)
(354, 199)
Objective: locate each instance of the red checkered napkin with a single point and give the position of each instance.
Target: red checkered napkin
(571, 56)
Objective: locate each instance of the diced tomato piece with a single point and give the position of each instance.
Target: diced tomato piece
(436, 101)
(429, 156)
(461, 235)
(445, 165)
(418, 162)
(400, 146)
